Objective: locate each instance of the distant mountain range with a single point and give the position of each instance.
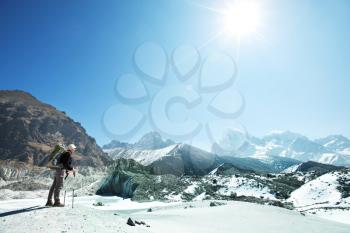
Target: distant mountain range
(275, 152)
(334, 149)
(149, 141)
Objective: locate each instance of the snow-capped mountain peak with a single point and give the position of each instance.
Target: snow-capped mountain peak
(145, 157)
(332, 149)
(152, 140)
(149, 141)
(337, 143)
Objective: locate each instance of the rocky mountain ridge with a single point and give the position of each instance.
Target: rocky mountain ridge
(29, 129)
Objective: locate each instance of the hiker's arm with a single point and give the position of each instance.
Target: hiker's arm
(69, 164)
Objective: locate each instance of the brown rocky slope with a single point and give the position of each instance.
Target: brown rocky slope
(29, 129)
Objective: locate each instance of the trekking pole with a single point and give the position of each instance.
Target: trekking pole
(64, 199)
(73, 199)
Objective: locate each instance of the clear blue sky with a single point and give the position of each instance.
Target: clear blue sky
(295, 76)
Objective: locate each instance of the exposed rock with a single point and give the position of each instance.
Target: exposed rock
(216, 203)
(15, 170)
(276, 203)
(137, 222)
(186, 160)
(129, 179)
(98, 204)
(123, 178)
(19, 177)
(29, 129)
(230, 169)
(25, 186)
(130, 222)
(319, 168)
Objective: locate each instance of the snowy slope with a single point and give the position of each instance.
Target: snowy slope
(291, 169)
(322, 196)
(214, 171)
(318, 191)
(236, 217)
(244, 187)
(193, 217)
(191, 188)
(84, 217)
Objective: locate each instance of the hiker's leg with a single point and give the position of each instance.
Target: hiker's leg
(59, 184)
(52, 188)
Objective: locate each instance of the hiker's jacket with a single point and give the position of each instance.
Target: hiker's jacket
(66, 160)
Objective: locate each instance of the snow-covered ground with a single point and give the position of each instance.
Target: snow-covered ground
(320, 190)
(243, 187)
(84, 217)
(321, 197)
(165, 217)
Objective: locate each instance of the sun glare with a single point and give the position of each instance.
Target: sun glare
(241, 19)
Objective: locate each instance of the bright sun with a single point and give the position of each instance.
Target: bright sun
(241, 18)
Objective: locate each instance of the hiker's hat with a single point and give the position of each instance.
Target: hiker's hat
(71, 147)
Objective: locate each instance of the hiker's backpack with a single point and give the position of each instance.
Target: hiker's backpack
(51, 160)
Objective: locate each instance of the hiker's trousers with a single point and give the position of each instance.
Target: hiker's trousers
(57, 184)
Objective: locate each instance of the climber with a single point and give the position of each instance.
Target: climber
(64, 166)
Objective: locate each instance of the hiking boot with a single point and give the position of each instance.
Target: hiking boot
(58, 204)
(49, 203)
